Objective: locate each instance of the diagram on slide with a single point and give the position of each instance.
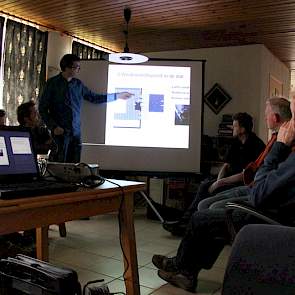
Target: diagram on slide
(128, 114)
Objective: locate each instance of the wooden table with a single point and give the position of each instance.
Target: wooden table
(40, 212)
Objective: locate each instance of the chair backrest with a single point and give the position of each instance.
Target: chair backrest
(284, 215)
(262, 261)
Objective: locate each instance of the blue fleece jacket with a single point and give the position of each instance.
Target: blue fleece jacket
(60, 103)
(275, 179)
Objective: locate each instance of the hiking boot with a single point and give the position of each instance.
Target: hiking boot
(180, 280)
(176, 228)
(164, 263)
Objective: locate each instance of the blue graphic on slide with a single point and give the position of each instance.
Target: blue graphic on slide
(156, 103)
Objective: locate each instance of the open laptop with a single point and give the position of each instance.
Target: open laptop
(19, 172)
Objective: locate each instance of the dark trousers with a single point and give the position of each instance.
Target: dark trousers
(68, 149)
(206, 235)
(202, 194)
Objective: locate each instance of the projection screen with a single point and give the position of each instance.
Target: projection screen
(158, 129)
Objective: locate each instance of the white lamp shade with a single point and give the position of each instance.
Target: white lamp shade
(127, 58)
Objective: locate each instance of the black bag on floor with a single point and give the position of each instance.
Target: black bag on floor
(26, 275)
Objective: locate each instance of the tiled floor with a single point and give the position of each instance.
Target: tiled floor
(92, 248)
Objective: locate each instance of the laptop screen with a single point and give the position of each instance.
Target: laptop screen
(17, 157)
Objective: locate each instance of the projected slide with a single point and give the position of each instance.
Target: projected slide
(157, 114)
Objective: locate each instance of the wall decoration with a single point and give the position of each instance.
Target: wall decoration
(216, 98)
(275, 87)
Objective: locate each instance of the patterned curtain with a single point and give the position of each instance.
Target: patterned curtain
(86, 52)
(1, 36)
(24, 66)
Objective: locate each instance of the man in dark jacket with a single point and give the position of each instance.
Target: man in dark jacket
(246, 147)
(277, 111)
(207, 231)
(27, 116)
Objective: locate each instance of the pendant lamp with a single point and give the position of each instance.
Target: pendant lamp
(126, 57)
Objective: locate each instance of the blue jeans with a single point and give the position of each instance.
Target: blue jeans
(202, 194)
(68, 149)
(219, 200)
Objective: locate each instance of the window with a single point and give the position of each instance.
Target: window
(23, 66)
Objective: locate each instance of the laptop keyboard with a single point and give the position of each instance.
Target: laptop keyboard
(36, 188)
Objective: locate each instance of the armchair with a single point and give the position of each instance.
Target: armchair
(262, 261)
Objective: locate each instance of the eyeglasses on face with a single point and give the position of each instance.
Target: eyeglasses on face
(76, 67)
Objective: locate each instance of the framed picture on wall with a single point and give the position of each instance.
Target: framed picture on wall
(216, 98)
(275, 86)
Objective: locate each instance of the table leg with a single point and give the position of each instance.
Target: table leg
(42, 243)
(129, 246)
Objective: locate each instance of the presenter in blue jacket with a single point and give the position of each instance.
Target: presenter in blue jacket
(60, 108)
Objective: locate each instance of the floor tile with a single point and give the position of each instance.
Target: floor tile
(96, 263)
(85, 275)
(204, 288)
(156, 247)
(151, 265)
(104, 248)
(93, 249)
(119, 286)
(149, 278)
(143, 258)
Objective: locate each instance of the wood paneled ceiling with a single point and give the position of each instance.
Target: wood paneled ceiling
(160, 25)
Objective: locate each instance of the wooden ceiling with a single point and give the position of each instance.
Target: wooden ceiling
(160, 25)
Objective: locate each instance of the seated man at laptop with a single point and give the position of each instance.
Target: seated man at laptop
(27, 116)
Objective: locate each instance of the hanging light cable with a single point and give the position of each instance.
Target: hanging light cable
(126, 57)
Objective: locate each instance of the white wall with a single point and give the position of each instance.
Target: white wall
(271, 66)
(242, 72)
(58, 45)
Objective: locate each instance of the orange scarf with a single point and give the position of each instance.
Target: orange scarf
(250, 170)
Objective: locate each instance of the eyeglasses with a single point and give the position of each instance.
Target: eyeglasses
(76, 67)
